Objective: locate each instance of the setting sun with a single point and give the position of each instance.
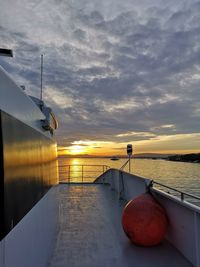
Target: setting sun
(76, 149)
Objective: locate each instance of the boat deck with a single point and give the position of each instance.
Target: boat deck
(90, 233)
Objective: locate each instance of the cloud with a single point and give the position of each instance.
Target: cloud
(136, 135)
(112, 71)
(171, 144)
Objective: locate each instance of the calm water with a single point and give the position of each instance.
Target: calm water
(183, 176)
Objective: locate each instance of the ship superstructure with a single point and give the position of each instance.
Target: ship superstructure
(28, 167)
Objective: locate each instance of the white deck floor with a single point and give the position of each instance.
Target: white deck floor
(90, 233)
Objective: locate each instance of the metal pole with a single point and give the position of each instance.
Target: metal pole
(69, 174)
(129, 153)
(82, 173)
(41, 77)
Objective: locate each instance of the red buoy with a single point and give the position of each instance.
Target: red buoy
(144, 221)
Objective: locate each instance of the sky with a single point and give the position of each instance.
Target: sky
(115, 72)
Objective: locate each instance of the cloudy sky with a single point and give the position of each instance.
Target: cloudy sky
(115, 72)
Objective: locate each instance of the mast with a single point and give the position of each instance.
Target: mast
(41, 78)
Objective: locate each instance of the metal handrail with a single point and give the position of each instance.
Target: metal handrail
(82, 172)
(90, 165)
(176, 190)
(124, 165)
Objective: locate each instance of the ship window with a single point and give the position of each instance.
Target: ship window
(6, 52)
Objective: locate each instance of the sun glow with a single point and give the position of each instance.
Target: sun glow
(76, 149)
(164, 144)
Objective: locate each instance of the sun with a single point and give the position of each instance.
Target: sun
(76, 149)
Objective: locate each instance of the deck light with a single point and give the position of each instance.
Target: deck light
(129, 153)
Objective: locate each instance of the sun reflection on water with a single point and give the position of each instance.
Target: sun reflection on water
(183, 176)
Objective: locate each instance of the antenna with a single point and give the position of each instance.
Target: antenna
(41, 76)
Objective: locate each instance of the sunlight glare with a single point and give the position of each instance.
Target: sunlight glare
(76, 149)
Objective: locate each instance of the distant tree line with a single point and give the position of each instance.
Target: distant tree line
(195, 158)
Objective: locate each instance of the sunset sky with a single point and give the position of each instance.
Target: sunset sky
(115, 72)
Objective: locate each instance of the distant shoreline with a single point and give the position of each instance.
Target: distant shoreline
(190, 158)
(142, 155)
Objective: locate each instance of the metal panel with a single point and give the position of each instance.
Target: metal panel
(31, 242)
(184, 224)
(1, 183)
(30, 169)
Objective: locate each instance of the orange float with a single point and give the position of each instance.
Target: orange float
(144, 221)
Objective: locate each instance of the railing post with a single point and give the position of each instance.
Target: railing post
(68, 171)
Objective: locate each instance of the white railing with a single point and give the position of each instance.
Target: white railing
(176, 192)
(80, 173)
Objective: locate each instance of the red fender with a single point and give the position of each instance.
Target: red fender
(144, 221)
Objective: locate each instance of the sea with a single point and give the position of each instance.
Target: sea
(180, 175)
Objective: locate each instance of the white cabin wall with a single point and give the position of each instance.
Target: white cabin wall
(14, 102)
(31, 241)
